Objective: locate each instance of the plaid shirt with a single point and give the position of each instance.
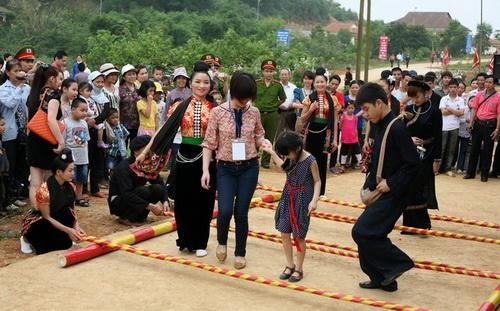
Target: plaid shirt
(118, 147)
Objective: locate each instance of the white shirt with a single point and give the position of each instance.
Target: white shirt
(451, 121)
(398, 94)
(289, 88)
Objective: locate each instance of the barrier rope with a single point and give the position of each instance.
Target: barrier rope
(465, 221)
(252, 278)
(354, 250)
(351, 220)
(419, 265)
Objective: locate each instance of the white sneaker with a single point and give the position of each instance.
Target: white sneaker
(20, 203)
(25, 246)
(201, 253)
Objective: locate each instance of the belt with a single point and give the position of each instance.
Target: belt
(487, 122)
(238, 163)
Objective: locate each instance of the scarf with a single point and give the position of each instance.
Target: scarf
(98, 96)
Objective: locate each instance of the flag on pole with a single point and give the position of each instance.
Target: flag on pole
(446, 56)
(489, 67)
(475, 59)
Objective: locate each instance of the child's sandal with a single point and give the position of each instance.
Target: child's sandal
(294, 279)
(286, 276)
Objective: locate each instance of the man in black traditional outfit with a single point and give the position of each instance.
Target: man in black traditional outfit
(130, 197)
(381, 260)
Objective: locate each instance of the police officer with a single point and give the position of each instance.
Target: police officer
(270, 95)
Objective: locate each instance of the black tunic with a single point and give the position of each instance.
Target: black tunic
(44, 237)
(395, 108)
(401, 159)
(435, 99)
(128, 194)
(378, 257)
(428, 127)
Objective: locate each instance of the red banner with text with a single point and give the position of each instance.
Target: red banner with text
(383, 44)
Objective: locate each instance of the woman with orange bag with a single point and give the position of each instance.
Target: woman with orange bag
(44, 96)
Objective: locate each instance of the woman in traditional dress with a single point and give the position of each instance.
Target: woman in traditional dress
(53, 226)
(320, 111)
(193, 204)
(424, 124)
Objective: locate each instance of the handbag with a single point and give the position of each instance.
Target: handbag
(39, 125)
(368, 197)
(110, 134)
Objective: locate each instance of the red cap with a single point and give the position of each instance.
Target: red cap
(25, 53)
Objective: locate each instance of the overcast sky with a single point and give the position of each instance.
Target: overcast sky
(467, 12)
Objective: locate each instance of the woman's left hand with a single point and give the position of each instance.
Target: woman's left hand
(312, 207)
(205, 180)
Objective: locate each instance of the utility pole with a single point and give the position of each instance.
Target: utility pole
(258, 9)
(100, 7)
(368, 39)
(359, 43)
(480, 36)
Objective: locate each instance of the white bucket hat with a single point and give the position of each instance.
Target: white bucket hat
(181, 71)
(107, 69)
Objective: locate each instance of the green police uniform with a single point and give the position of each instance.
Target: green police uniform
(269, 97)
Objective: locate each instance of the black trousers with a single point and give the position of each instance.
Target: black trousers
(17, 181)
(378, 257)
(481, 135)
(133, 206)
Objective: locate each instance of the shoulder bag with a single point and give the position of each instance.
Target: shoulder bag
(39, 125)
(368, 197)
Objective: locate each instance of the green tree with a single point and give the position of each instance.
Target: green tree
(344, 36)
(407, 37)
(454, 37)
(483, 34)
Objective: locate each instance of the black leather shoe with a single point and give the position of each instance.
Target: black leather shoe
(396, 274)
(371, 285)
(265, 166)
(484, 178)
(493, 175)
(467, 176)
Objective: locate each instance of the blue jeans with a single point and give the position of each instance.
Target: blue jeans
(235, 185)
(463, 153)
(112, 162)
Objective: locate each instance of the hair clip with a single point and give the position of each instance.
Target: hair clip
(390, 78)
(64, 156)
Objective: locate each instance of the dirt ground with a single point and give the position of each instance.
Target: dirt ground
(125, 281)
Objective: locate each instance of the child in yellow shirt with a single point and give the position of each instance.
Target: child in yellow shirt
(148, 109)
